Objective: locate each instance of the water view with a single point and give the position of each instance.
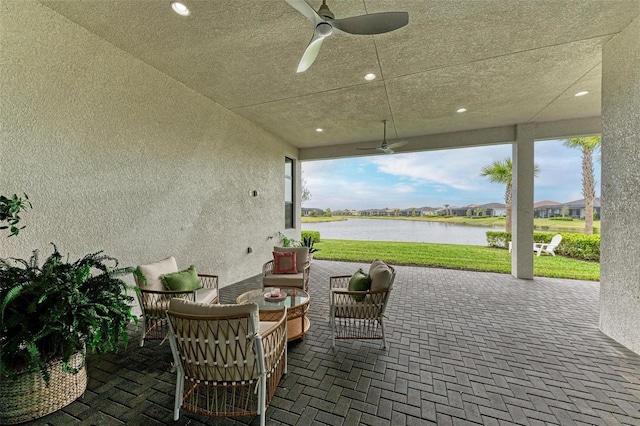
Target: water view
(401, 230)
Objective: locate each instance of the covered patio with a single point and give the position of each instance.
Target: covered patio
(464, 348)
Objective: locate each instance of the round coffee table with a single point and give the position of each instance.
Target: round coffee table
(296, 302)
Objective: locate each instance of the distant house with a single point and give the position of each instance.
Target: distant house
(494, 209)
(460, 211)
(309, 211)
(547, 208)
(576, 208)
(428, 211)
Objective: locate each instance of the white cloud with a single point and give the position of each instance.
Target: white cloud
(437, 177)
(404, 189)
(458, 169)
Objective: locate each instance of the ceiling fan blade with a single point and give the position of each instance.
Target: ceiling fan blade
(387, 150)
(375, 23)
(310, 53)
(306, 10)
(397, 144)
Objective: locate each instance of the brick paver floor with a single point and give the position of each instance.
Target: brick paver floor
(463, 348)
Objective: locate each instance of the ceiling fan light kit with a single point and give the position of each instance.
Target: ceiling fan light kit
(325, 25)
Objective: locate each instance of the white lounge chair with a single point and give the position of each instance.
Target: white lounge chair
(548, 248)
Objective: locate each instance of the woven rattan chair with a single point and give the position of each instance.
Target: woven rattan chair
(223, 354)
(299, 279)
(154, 298)
(360, 314)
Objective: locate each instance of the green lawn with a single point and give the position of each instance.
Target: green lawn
(452, 256)
(311, 219)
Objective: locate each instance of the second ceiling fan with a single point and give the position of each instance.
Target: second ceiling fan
(325, 24)
(385, 147)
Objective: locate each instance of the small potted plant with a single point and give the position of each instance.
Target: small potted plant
(50, 317)
(308, 242)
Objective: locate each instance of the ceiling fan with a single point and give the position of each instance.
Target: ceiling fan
(325, 25)
(386, 147)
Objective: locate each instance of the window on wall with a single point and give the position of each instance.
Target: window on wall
(288, 193)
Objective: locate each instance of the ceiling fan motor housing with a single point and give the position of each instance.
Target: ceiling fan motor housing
(323, 29)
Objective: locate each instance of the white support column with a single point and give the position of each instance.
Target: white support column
(522, 203)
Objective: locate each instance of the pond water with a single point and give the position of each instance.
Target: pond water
(401, 230)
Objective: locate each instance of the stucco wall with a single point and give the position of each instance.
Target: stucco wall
(620, 244)
(117, 156)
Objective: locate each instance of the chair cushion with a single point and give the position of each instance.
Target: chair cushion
(204, 309)
(182, 281)
(284, 263)
(302, 255)
(153, 271)
(360, 281)
(284, 280)
(380, 275)
(206, 295)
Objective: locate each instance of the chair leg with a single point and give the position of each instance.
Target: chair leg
(332, 323)
(144, 327)
(262, 399)
(286, 356)
(384, 340)
(178, 399)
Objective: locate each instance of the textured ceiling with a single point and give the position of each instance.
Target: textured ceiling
(506, 61)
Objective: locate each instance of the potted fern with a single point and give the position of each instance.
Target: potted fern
(50, 317)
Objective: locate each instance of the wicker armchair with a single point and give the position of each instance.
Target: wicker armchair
(154, 298)
(360, 314)
(223, 354)
(299, 280)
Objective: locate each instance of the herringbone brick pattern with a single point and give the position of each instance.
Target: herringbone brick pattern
(463, 348)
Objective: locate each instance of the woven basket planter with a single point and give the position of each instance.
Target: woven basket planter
(28, 397)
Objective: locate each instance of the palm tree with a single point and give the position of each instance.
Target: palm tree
(588, 145)
(446, 207)
(502, 172)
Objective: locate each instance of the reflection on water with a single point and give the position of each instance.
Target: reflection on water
(401, 230)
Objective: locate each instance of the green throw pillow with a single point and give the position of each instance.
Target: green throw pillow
(186, 280)
(359, 282)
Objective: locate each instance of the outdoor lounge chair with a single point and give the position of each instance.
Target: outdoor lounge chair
(228, 362)
(360, 314)
(548, 247)
(154, 297)
(299, 278)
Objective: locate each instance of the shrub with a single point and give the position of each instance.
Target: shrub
(566, 219)
(314, 235)
(578, 246)
(498, 239)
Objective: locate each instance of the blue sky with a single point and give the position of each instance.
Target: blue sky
(436, 178)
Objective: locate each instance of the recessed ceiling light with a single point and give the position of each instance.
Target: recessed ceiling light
(584, 92)
(180, 8)
(319, 130)
(462, 110)
(370, 77)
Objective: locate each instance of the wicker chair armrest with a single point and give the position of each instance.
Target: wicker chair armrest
(274, 342)
(358, 298)
(208, 280)
(359, 293)
(267, 268)
(339, 281)
(166, 292)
